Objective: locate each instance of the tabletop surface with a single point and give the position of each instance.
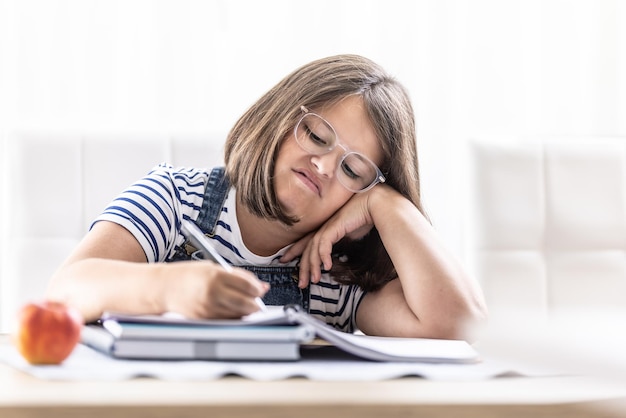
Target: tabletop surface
(574, 396)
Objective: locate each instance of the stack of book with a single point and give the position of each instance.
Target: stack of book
(274, 335)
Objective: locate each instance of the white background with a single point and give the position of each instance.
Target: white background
(474, 68)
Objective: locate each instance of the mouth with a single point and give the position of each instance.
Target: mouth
(309, 180)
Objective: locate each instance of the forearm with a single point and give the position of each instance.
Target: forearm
(94, 285)
(435, 287)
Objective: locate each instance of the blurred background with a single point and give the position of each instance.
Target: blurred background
(480, 68)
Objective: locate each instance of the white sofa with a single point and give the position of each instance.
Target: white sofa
(546, 225)
(547, 222)
(53, 185)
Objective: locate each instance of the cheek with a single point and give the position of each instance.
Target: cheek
(288, 148)
(335, 199)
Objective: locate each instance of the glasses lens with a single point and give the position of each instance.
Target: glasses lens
(356, 172)
(315, 135)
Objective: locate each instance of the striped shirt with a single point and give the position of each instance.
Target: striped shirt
(153, 208)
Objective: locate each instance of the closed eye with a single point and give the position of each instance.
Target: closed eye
(349, 171)
(315, 138)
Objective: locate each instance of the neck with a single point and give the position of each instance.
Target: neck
(261, 236)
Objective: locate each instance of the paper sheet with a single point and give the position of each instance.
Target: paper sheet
(324, 363)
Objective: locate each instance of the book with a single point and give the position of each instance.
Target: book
(99, 338)
(164, 331)
(163, 327)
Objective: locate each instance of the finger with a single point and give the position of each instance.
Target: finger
(240, 304)
(322, 248)
(234, 305)
(230, 302)
(246, 283)
(314, 260)
(304, 275)
(296, 249)
(325, 254)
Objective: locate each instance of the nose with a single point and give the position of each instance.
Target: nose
(326, 164)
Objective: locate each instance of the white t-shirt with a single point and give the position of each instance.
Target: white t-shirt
(153, 208)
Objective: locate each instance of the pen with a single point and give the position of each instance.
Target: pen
(200, 241)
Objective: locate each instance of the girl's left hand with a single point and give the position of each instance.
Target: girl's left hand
(353, 220)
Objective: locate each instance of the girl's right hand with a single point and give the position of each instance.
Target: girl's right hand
(203, 289)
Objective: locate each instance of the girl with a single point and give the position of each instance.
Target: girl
(318, 204)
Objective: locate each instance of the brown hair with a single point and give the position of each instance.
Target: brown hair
(253, 143)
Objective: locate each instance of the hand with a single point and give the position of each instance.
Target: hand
(203, 289)
(353, 220)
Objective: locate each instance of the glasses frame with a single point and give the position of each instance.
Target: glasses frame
(380, 177)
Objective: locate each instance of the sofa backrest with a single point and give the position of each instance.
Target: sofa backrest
(547, 222)
(546, 228)
(54, 185)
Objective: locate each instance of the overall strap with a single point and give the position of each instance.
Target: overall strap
(214, 197)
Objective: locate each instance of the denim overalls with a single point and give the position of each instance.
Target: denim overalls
(283, 280)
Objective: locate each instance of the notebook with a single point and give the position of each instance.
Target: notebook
(180, 342)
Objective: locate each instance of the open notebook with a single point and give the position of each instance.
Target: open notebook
(275, 334)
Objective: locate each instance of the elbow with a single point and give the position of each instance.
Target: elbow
(466, 321)
(462, 318)
(458, 323)
(474, 319)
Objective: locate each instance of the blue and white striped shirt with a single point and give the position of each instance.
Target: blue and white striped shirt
(152, 210)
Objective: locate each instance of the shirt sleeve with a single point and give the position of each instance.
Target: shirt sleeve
(152, 208)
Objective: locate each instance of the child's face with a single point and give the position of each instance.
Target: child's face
(306, 184)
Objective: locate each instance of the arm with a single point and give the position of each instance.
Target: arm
(432, 296)
(108, 271)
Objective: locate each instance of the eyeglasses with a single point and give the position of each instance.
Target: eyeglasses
(355, 171)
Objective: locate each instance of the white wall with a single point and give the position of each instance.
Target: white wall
(474, 68)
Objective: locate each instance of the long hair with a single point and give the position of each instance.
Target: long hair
(254, 141)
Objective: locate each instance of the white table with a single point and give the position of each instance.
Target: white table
(22, 395)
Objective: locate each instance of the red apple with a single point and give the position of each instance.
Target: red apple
(47, 331)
